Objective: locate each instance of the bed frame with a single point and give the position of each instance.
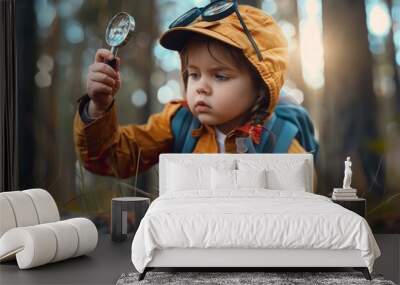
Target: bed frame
(247, 258)
(243, 259)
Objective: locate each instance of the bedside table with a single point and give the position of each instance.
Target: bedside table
(358, 205)
(120, 207)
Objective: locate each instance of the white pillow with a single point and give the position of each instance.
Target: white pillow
(223, 179)
(187, 177)
(282, 174)
(291, 179)
(235, 179)
(251, 178)
(192, 174)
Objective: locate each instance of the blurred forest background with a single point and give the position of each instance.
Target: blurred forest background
(344, 61)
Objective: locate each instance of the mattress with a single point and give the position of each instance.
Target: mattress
(250, 219)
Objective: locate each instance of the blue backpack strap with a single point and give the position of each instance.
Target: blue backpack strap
(182, 124)
(278, 137)
(190, 141)
(286, 133)
(299, 116)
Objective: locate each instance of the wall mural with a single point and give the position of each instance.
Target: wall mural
(344, 62)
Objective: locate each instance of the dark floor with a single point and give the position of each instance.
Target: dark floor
(102, 266)
(110, 259)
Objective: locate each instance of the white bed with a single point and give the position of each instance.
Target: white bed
(247, 210)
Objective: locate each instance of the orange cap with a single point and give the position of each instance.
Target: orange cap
(266, 32)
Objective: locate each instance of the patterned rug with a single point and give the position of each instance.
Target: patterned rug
(242, 278)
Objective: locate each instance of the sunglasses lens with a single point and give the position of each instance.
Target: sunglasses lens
(217, 7)
(186, 18)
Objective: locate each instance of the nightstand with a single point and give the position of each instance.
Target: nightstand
(120, 208)
(358, 205)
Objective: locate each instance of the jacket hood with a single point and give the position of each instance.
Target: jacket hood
(267, 34)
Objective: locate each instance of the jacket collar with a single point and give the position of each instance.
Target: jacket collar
(255, 132)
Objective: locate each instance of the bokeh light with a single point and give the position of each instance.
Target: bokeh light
(378, 18)
(67, 8)
(311, 47)
(45, 63)
(43, 79)
(168, 60)
(139, 98)
(269, 6)
(396, 29)
(74, 32)
(45, 13)
(290, 32)
(169, 91)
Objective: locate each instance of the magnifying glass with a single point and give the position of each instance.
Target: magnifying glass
(119, 31)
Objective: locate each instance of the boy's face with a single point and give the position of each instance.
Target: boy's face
(218, 92)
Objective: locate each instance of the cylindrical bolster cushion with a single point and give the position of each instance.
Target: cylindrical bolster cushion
(23, 208)
(67, 240)
(45, 205)
(34, 245)
(7, 218)
(41, 244)
(87, 235)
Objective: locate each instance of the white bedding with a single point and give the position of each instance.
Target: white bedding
(251, 218)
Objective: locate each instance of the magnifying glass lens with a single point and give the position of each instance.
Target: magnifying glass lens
(118, 31)
(116, 36)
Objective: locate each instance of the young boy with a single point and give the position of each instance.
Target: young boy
(232, 69)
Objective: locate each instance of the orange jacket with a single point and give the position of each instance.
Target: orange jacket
(106, 148)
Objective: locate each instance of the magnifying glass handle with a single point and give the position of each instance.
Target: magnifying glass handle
(112, 62)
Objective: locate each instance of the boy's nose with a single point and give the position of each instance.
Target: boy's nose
(203, 88)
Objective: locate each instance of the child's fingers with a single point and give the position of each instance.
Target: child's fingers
(117, 84)
(101, 88)
(118, 63)
(103, 68)
(102, 78)
(102, 55)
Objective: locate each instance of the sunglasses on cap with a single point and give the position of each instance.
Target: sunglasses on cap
(214, 11)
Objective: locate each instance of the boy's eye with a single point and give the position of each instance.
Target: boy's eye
(193, 75)
(221, 77)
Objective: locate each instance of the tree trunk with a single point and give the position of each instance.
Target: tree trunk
(392, 54)
(349, 126)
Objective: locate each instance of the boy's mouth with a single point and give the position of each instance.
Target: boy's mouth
(201, 106)
(201, 103)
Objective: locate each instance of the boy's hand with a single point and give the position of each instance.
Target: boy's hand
(103, 82)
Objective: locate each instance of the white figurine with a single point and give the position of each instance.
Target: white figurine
(347, 174)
